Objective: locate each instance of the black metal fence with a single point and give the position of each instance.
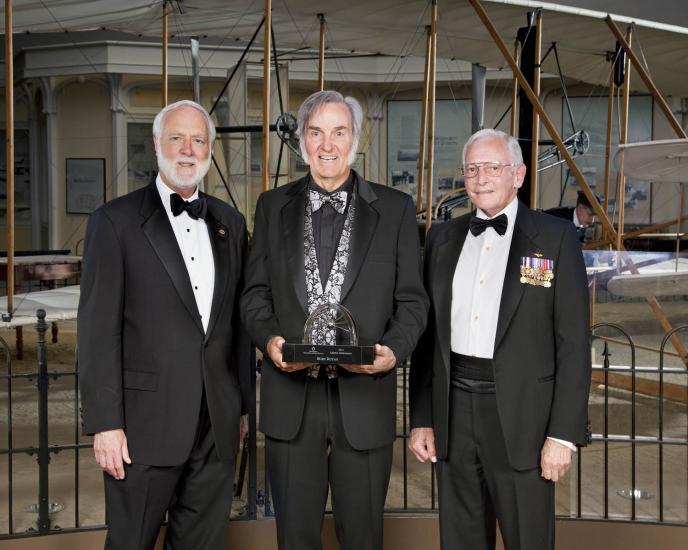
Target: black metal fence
(632, 459)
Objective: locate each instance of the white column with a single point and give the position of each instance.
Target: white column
(34, 166)
(52, 172)
(119, 182)
(375, 167)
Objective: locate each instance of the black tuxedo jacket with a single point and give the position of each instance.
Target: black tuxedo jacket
(542, 351)
(382, 288)
(563, 212)
(143, 356)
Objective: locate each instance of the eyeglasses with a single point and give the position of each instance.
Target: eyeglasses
(491, 169)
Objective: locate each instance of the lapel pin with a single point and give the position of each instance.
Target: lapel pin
(537, 254)
(221, 231)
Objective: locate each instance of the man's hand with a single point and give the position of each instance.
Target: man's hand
(384, 361)
(422, 444)
(555, 460)
(243, 430)
(110, 449)
(274, 349)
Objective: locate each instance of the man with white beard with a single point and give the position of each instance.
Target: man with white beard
(163, 361)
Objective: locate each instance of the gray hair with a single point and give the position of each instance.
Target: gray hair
(159, 121)
(314, 102)
(510, 141)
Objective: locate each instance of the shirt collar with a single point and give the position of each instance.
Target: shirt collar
(347, 186)
(510, 210)
(165, 194)
(576, 221)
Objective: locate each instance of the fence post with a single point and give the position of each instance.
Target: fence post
(43, 521)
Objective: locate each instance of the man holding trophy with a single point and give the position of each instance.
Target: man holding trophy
(332, 238)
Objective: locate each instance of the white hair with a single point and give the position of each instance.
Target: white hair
(159, 121)
(314, 102)
(510, 141)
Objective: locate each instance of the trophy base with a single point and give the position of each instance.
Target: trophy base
(328, 355)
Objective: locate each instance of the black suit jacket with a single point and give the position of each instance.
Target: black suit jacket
(382, 288)
(542, 350)
(563, 212)
(143, 356)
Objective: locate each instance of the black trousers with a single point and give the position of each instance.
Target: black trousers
(197, 496)
(478, 486)
(301, 469)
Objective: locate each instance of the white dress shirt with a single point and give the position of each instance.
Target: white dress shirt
(576, 221)
(477, 290)
(194, 243)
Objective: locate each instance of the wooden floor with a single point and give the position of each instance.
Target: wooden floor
(402, 533)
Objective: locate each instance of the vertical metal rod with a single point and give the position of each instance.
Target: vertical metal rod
(265, 176)
(252, 445)
(321, 57)
(9, 151)
(535, 132)
(633, 445)
(678, 222)
(431, 117)
(606, 429)
(77, 423)
(404, 431)
(608, 143)
(196, 68)
(424, 118)
(623, 138)
(10, 444)
(432, 486)
(165, 44)
(514, 91)
(43, 450)
(579, 484)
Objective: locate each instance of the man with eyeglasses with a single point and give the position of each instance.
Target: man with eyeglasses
(500, 379)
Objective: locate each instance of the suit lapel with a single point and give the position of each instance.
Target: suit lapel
(158, 230)
(365, 223)
(293, 213)
(219, 236)
(521, 245)
(442, 277)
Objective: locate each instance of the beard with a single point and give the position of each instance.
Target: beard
(167, 166)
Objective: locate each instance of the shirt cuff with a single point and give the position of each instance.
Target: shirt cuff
(563, 442)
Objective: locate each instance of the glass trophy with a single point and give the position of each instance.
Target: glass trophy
(329, 338)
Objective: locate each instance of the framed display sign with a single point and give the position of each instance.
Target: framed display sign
(85, 184)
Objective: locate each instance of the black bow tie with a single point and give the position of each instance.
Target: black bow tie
(478, 225)
(337, 200)
(196, 209)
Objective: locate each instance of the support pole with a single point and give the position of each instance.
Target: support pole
(597, 208)
(9, 151)
(165, 43)
(424, 118)
(321, 65)
(266, 96)
(623, 138)
(431, 116)
(663, 105)
(514, 92)
(536, 120)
